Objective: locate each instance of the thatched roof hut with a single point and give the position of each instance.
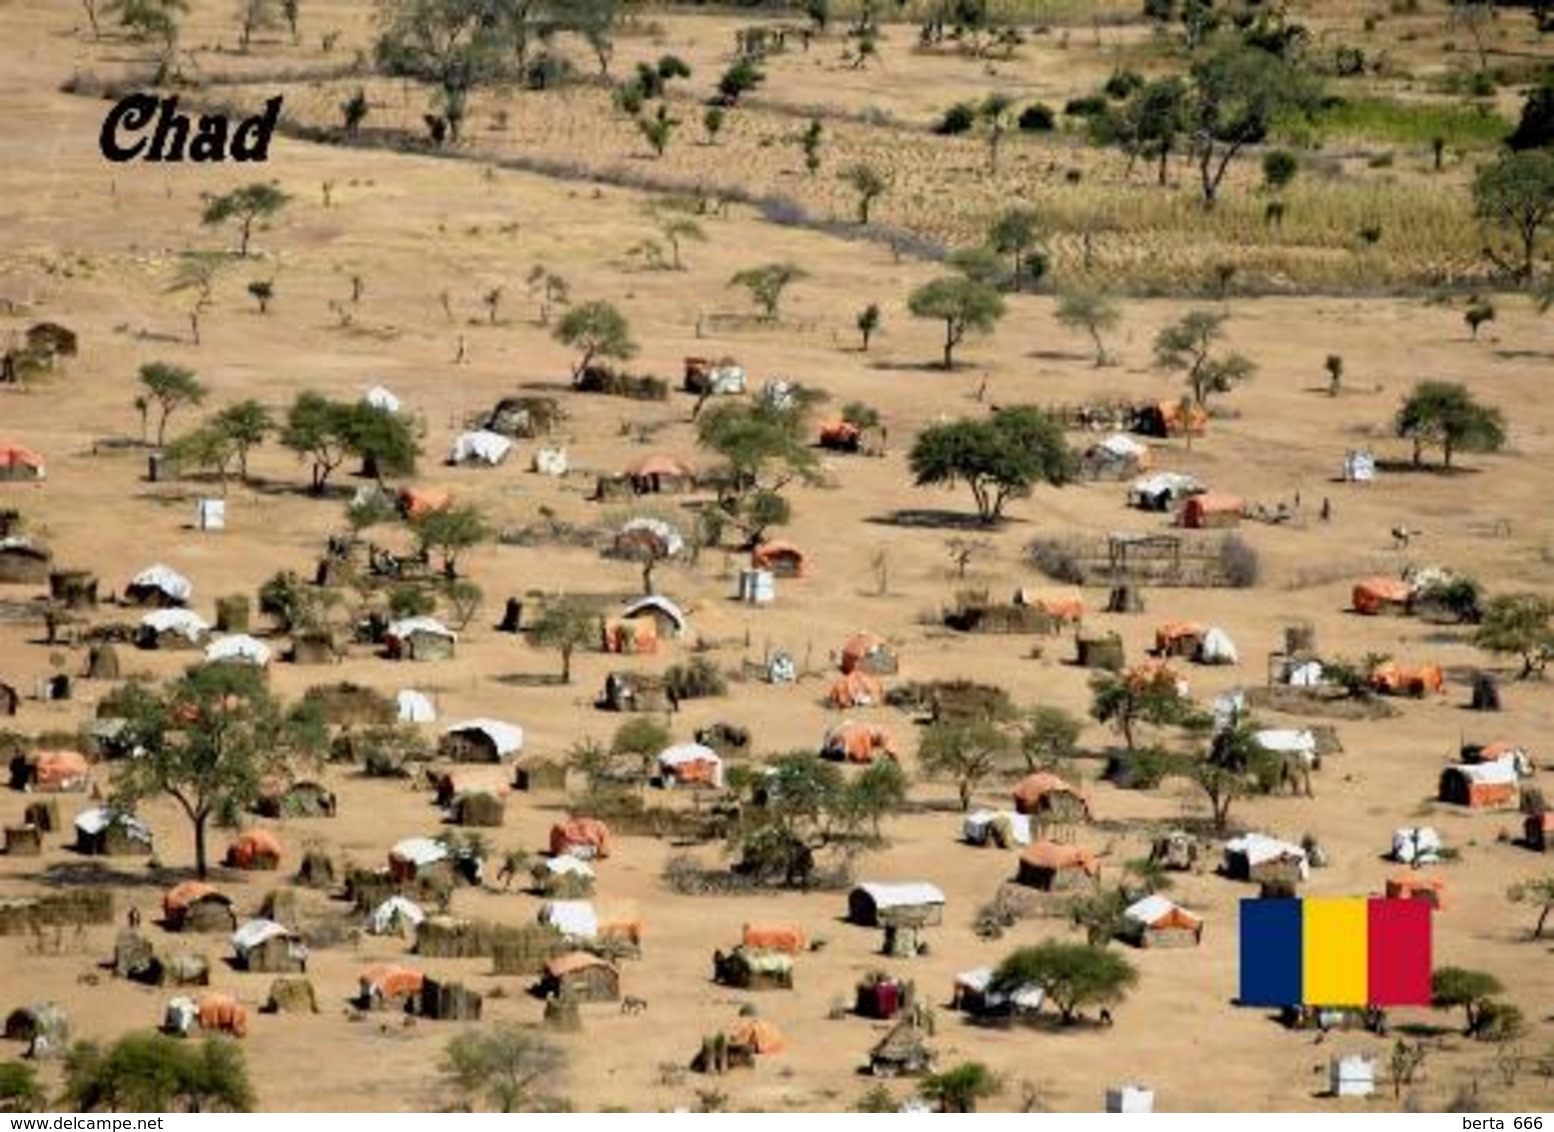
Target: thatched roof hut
(903, 1051)
(24, 562)
(451, 1002)
(264, 945)
(44, 1026)
(291, 994)
(581, 976)
(195, 906)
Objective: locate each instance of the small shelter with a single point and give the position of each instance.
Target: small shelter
(756, 1036)
(629, 638)
(195, 906)
(395, 915)
(160, 586)
(860, 743)
(1262, 859)
(690, 764)
(52, 338)
(1005, 830)
(18, 463)
(414, 707)
(1351, 1076)
(1162, 491)
(902, 1052)
(524, 416)
(1130, 1098)
(881, 996)
(381, 398)
(1381, 595)
(973, 993)
(44, 1026)
(750, 968)
(580, 920)
(1482, 786)
(266, 946)
(765, 936)
(667, 619)
(1155, 921)
(1393, 679)
(1297, 744)
(416, 857)
(303, 798)
(388, 986)
(51, 772)
(1178, 638)
(238, 648)
(102, 832)
(705, 377)
(480, 448)
(865, 652)
(856, 690)
(913, 904)
(222, 1013)
(1359, 466)
(1047, 798)
(24, 562)
(416, 502)
(840, 436)
(1413, 886)
(481, 741)
(255, 850)
(171, 629)
(587, 839)
(483, 808)
(1539, 831)
(647, 538)
(1206, 511)
(1115, 457)
(1170, 418)
(780, 558)
(563, 878)
(1216, 647)
(419, 638)
(634, 691)
(581, 976)
(1051, 867)
(1476, 753)
(1420, 845)
(1063, 606)
(659, 474)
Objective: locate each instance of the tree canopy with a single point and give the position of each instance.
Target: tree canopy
(171, 387)
(962, 304)
(1188, 346)
(1521, 625)
(147, 1072)
(565, 625)
(596, 330)
(1073, 975)
(1000, 458)
(1445, 414)
(767, 283)
(504, 1064)
(1516, 195)
(1236, 96)
(966, 752)
(244, 207)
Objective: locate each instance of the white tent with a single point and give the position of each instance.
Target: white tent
(673, 542)
(415, 707)
(575, 919)
(380, 398)
(977, 826)
(1418, 845)
(1258, 848)
(725, 380)
(551, 461)
(1216, 647)
(1130, 1098)
(1158, 491)
(1228, 707)
(181, 621)
(94, 821)
(480, 447)
(1288, 741)
(978, 979)
(507, 738)
(255, 932)
(1306, 674)
(663, 605)
(166, 579)
(419, 851)
(682, 753)
(181, 1015)
(239, 648)
(913, 894)
(1359, 466)
(1498, 773)
(567, 865)
(402, 630)
(393, 915)
(1352, 1076)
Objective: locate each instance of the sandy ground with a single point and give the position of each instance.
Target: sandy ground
(94, 246)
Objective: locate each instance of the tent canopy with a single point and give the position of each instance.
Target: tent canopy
(507, 738)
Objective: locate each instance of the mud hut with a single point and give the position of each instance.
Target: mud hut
(533, 775)
(634, 691)
(317, 870)
(345, 704)
(291, 994)
(480, 808)
(44, 1026)
(266, 946)
(25, 840)
(75, 590)
(23, 562)
(449, 1002)
(195, 906)
(102, 663)
(582, 977)
(1105, 652)
(304, 798)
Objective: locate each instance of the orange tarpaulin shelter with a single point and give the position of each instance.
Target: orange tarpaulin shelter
(1402, 680)
(18, 463)
(775, 937)
(1408, 887)
(1178, 638)
(417, 501)
(1053, 860)
(1378, 595)
(859, 743)
(659, 465)
(177, 900)
(861, 647)
(758, 1034)
(841, 435)
(638, 636)
(1042, 787)
(56, 771)
(857, 689)
(255, 849)
(388, 981)
(781, 558)
(223, 1012)
(588, 834)
(1209, 510)
(621, 922)
(1060, 605)
(1175, 422)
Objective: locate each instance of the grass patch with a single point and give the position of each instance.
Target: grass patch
(1460, 125)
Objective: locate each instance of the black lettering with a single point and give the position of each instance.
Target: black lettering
(171, 127)
(132, 113)
(210, 140)
(251, 140)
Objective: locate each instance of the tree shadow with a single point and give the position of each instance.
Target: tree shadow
(531, 680)
(1063, 356)
(928, 518)
(1408, 467)
(917, 367)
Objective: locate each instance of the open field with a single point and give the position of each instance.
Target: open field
(96, 247)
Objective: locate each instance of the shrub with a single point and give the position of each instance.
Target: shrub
(1090, 106)
(696, 679)
(1122, 83)
(1037, 118)
(958, 119)
(1239, 562)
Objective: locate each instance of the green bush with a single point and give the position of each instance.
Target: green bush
(1037, 118)
(958, 119)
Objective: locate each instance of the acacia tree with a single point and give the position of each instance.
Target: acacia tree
(1093, 313)
(319, 430)
(867, 182)
(1016, 232)
(453, 44)
(1049, 738)
(1000, 458)
(962, 304)
(1516, 194)
(1073, 975)
(449, 531)
(504, 1064)
(767, 283)
(965, 752)
(1444, 413)
(566, 625)
(764, 450)
(244, 207)
(1127, 699)
(1152, 122)
(1539, 893)
(149, 1072)
(1188, 346)
(210, 740)
(1453, 987)
(244, 426)
(959, 1088)
(1237, 94)
(171, 387)
(1521, 625)
(994, 113)
(595, 330)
